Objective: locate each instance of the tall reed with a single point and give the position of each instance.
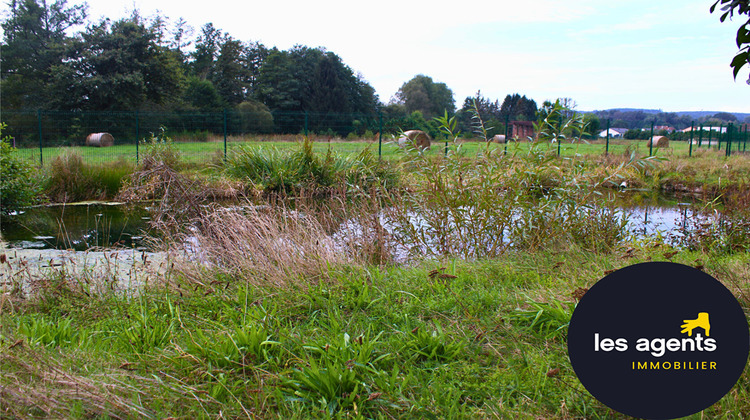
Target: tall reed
(481, 206)
(71, 179)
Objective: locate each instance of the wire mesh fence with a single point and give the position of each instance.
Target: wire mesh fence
(206, 136)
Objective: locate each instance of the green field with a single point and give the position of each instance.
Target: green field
(206, 152)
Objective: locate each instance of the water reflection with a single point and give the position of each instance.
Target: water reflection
(79, 227)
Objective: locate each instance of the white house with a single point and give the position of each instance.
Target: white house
(614, 133)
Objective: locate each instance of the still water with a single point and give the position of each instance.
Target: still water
(78, 227)
(88, 226)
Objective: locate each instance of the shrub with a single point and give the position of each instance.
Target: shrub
(19, 186)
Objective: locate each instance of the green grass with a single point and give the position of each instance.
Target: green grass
(205, 152)
(372, 342)
(273, 323)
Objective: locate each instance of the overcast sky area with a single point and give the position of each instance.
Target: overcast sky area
(667, 54)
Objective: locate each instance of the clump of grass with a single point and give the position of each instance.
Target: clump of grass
(550, 319)
(292, 172)
(71, 179)
(47, 333)
(339, 376)
(427, 344)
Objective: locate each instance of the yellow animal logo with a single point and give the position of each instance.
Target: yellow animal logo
(701, 321)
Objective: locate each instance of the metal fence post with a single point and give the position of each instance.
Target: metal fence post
(380, 135)
(137, 136)
(225, 134)
(692, 130)
(729, 140)
(700, 137)
(651, 141)
(560, 124)
(606, 149)
(721, 126)
(39, 123)
(507, 122)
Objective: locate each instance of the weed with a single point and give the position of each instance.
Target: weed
(423, 344)
(47, 333)
(548, 319)
(159, 150)
(341, 378)
(242, 347)
(148, 328)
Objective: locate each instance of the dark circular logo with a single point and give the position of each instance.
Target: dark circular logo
(658, 340)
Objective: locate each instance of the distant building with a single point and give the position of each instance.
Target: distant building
(614, 133)
(667, 128)
(521, 129)
(705, 128)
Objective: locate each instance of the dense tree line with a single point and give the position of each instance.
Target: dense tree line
(641, 119)
(55, 59)
(137, 63)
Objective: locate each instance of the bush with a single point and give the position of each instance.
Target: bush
(19, 186)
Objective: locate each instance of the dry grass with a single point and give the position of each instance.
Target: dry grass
(35, 384)
(177, 196)
(279, 246)
(259, 244)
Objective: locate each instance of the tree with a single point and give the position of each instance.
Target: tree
(230, 76)
(422, 94)
(740, 7)
(255, 54)
(206, 50)
(489, 112)
(34, 41)
(202, 95)
(311, 79)
(725, 116)
(117, 66)
(593, 124)
(518, 108)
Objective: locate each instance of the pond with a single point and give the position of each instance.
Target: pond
(78, 227)
(84, 226)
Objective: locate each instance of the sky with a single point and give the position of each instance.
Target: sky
(659, 54)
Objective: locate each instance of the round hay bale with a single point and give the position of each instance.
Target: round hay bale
(100, 140)
(498, 138)
(658, 141)
(418, 138)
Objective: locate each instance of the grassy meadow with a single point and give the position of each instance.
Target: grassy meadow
(300, 301)
(213, 149)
